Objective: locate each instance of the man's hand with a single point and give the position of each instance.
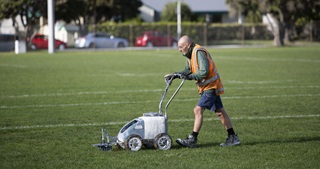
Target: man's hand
(173, 76)
(186, 76)
(177, 75)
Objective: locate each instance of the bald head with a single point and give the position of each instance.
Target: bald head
(184, 44)
(184, 40)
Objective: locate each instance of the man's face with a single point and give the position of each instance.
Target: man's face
(183, 47)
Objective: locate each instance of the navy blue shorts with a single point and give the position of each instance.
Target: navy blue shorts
(210, 101)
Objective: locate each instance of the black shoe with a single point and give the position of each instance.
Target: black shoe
(190, 141)
(232, 140)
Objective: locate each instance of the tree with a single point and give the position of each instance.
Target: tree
(126, 9)
(29, 12)
(67, 10)
(115, 10)
(286, 13)
(247, 8)
(169, 12)
(70, 10)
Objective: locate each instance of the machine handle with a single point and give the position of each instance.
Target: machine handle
(174, 94)
(168, 82)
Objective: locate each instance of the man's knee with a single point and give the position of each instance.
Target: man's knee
(198, 110)
(220, 112)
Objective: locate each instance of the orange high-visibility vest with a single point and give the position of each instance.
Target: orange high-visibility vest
(212, 81)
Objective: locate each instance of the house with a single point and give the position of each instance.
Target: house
(212, 10)
(64, 32)
(6, 25)
(10, 34)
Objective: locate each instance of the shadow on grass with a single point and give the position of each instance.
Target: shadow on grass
(176, 146)
(249, 143)
(285, 140)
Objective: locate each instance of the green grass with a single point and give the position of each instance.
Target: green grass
(52, 108)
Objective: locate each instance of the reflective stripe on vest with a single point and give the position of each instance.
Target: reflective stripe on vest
(214, 78)
(219, 91)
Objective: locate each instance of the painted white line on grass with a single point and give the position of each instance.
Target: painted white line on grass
(82, 93)
(261, 82)
(160, 90)
(268, 59)
(271, 96)
(13, 65)
(170, 121)
(72, 104)
(151, 101)
(138, 74)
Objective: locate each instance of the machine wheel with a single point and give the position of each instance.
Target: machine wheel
(121, 45)
(62, 47)
(150, 44)
(134, 143)
(92, 45)
(162, 142)
(33, 47)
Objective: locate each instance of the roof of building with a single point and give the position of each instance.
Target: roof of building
(198, 6)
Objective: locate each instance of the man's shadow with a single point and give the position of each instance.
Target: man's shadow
(251, 143)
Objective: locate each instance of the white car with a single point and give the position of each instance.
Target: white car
(101, 40)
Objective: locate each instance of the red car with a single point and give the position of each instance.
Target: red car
(155, 38)
(40, 41)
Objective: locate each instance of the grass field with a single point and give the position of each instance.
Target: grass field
(52, 108)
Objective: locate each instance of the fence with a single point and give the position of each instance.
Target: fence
(208, 34)
(205, 34)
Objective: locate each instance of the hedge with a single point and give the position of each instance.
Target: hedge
(199, 32)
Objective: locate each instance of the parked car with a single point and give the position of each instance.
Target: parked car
(100, 40)
(7, 42)
(155, 38)
(40, 41)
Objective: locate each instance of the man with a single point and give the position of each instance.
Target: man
(201, 68)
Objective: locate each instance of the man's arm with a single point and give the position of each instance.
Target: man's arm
(203, 66)
(186, 70)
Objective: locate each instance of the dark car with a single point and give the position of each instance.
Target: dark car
(40, 41)
(155, 38)
(7, 42)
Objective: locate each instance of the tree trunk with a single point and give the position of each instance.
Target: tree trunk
(276, 38)
(282, 33)
(281, 25)
(287, 32)
(275, 29)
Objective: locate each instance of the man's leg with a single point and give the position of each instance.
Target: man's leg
(232, 139)
(224, 118)
(191, 140)
(198, 118)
